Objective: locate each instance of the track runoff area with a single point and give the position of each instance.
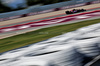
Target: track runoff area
(57, 20)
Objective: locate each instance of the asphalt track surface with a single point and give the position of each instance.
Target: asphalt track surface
(81, 16)
(58, 14)
(43, 18)
(45, 15)
(49, 23)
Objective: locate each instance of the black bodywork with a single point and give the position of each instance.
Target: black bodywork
(75, 11)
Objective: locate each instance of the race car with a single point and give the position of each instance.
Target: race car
(75, 11)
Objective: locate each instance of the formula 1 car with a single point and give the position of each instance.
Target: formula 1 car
(75, 11)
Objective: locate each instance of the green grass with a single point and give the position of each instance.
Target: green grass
(41, 34)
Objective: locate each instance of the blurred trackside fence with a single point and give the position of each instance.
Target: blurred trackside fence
(45, 9)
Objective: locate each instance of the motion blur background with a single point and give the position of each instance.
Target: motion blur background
(82, 45)
(12, 5)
